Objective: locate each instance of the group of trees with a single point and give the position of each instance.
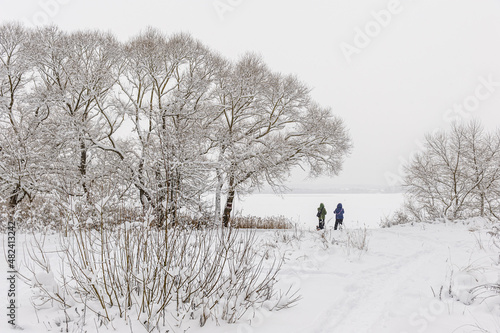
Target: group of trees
(456, 175)
(159, 122)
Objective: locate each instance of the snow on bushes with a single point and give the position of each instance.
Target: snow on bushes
(478, 283)
(158, 277)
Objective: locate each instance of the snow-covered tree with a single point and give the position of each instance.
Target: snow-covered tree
(457, 174)
(75, 78)
(21, 156)
(268, 126)
(196, 123)
(482, 161)
(166, 85)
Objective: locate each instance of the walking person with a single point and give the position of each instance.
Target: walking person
(321, 216)
(339, 216)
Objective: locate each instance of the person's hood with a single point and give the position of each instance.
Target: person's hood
(321, 206)
(339, 206)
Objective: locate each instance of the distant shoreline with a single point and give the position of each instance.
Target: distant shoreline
(335, 191)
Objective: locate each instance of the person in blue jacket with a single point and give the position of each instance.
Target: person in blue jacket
(339, 216)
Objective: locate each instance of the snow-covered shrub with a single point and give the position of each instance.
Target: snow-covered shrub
(482, 290)
(478, 281)
(466, 284)
(4, 214)
(289, 236)
(357, 239)
(32, 215)
(352, 240)
(397, 218)
(155, 276)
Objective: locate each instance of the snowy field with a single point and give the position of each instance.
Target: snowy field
(403, 279)
(360, 209)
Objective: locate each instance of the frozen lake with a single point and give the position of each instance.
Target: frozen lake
(361, 209)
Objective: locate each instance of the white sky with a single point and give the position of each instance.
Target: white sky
(426, 57)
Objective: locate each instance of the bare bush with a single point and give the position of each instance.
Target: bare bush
(352, 240)
(287, 237)
(472, 284)
(155, 276)
(357, 239)
(484, 291)
(400, 216)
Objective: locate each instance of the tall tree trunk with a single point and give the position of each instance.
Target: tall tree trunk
(15, 198)
(83, 168)
(226, 217)
(481, 203)
(218, 194)
(160, 193)
(174, 190)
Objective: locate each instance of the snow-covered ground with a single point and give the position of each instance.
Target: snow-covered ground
(392, 287)
(400, 282)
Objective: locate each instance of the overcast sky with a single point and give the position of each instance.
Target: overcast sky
(393, 70)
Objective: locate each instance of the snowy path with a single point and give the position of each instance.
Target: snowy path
(387, 289)
(371, 293)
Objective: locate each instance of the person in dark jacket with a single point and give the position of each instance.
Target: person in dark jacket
(339, 216)
(321, 216)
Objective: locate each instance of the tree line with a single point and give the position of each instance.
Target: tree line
(160, 123)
